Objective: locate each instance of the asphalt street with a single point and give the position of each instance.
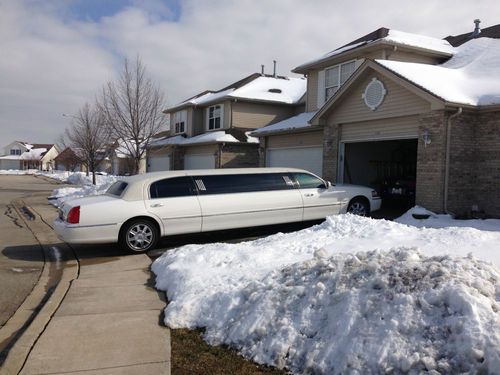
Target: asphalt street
(21, 256)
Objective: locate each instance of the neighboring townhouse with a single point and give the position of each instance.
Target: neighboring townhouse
(119, 162)
(211, 129)
(417, 118)
(24, 155)
(67, 160)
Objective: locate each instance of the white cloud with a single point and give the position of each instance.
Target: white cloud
(52, 63)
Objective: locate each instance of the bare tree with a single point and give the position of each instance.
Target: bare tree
(88, 137)
(133, 105)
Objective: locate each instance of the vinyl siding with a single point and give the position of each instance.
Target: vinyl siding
(398, 102)
(295, 140)
(254, 115)
(312, 91)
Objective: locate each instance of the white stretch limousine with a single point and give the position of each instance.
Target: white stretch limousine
(136, 211)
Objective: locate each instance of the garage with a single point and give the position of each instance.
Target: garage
(158, 163)
(382, 155)
(199, 161)
(308, 158)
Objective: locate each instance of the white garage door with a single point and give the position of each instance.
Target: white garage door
(158, 163)
(308, 158)
(199, 161)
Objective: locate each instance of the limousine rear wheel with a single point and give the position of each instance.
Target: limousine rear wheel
(359, 206)
(139, 235)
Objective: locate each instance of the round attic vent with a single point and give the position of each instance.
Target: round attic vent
(276, 91)
(374, 94)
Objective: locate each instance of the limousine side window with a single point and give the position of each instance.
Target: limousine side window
(241, 183)
(171, 187)
(308, 181)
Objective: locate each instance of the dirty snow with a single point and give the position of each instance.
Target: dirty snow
(351, 295)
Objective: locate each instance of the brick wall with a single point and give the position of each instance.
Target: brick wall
(487, 169)
(462, 163)
(431, 161)
(239, 155)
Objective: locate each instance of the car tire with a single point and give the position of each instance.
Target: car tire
(359, 206)
(139, 236)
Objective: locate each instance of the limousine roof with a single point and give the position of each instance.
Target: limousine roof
(136, 182)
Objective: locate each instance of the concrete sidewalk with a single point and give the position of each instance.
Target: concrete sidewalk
(109, 321)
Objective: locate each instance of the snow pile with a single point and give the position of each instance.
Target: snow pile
(15, 172)
(442, 221)
(350, 295)
(86, 188)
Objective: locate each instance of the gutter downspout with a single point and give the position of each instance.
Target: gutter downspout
(447, 160)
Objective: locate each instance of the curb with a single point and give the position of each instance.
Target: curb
(23, 328)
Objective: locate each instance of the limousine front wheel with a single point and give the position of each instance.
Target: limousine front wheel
(139, 235)
(359, 206)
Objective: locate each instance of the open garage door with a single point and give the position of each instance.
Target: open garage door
(308, 158)
(158, 163)
(199, 161)
(390, 167)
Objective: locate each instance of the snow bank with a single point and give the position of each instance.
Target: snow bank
(85, 188)
(350, 295)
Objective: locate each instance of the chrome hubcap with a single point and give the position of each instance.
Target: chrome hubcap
(357, 208)
(140, 237)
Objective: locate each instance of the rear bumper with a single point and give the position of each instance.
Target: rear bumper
(74, 233)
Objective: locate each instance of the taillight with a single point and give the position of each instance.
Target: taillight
(74, 215)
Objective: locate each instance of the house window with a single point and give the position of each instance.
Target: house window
(336, 77)
(180, 119)
(215, 116)
(15, 152)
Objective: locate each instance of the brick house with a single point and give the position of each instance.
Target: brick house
(415, 117)
(211, 129)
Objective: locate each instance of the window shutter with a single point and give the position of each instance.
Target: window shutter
(321, 88)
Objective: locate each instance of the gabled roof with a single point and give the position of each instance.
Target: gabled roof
(470, 78)
(386, 36)
(256, 87)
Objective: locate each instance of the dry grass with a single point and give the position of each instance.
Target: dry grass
(192, 356)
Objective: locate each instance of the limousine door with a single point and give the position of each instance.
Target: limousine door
(238, 201)
(174, 200)
(319, 202)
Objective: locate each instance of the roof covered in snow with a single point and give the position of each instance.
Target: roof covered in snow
(211, 137)
(295, 122)
(387, 36)
(257, 87)
(470, 77)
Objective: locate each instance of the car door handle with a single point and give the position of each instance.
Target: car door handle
(309, 195)
(157, 205)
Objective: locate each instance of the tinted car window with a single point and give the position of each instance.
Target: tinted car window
(171, 187)
(307, 181)
(225, 184)
(117, 188)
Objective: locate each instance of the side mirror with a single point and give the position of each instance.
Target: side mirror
(328, 184)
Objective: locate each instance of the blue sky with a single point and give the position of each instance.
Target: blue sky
(57, 54)
(94, 10)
